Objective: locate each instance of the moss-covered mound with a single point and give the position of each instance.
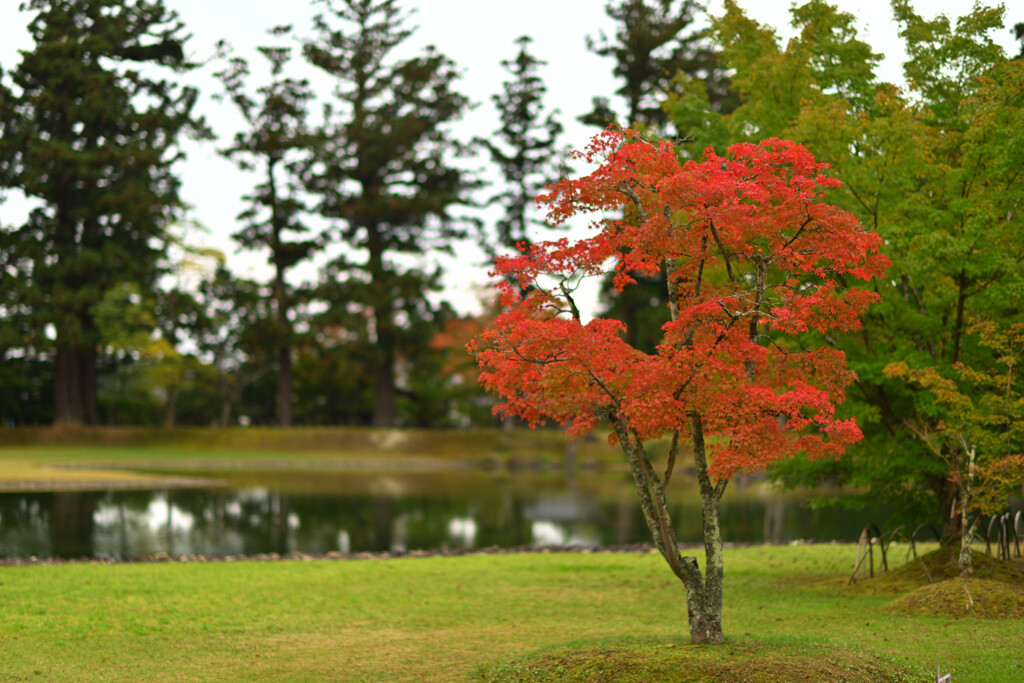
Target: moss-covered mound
(938, 566)
(963, 598)
(688, 663)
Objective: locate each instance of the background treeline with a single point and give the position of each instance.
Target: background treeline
(111, 312)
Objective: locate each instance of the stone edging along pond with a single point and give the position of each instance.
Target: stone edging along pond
(163, 558)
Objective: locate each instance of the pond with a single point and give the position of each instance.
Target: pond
(318, 513)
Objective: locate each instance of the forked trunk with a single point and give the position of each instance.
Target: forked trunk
(704, 598)
(704, 612)
(703, 591)
(705, 605)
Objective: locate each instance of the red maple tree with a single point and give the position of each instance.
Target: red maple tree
(755, 260)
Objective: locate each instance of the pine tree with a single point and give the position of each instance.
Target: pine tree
(90, 131)
(523, 147)
(650, 48)
(383, 170)
(275, 145)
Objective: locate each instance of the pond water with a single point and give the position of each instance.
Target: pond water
(356, 512)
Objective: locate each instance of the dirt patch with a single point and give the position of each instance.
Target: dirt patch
(959, 598)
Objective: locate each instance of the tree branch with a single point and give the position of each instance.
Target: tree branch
(627, 189)
(673, 451)
(799, 231)
(721, 249)
(567, 293)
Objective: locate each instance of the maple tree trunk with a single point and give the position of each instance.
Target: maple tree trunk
(703, 592)
(705, 607)
(704, 599)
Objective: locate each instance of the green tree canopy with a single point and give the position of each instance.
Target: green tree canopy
(933, 168)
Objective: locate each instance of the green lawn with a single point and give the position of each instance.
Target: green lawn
(456, 618)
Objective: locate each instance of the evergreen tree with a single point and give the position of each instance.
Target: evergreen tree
(383, 169)
(523, 148)
(275, 145)
(91, 130)
(650, 48)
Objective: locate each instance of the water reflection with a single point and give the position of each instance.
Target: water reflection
(355, 513)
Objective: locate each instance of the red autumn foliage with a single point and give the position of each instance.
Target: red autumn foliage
(754, 258)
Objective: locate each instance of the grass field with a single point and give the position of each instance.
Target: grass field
(496, 617)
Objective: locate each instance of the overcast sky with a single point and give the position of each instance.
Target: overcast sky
(476, 36)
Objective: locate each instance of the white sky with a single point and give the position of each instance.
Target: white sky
(476, 36)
